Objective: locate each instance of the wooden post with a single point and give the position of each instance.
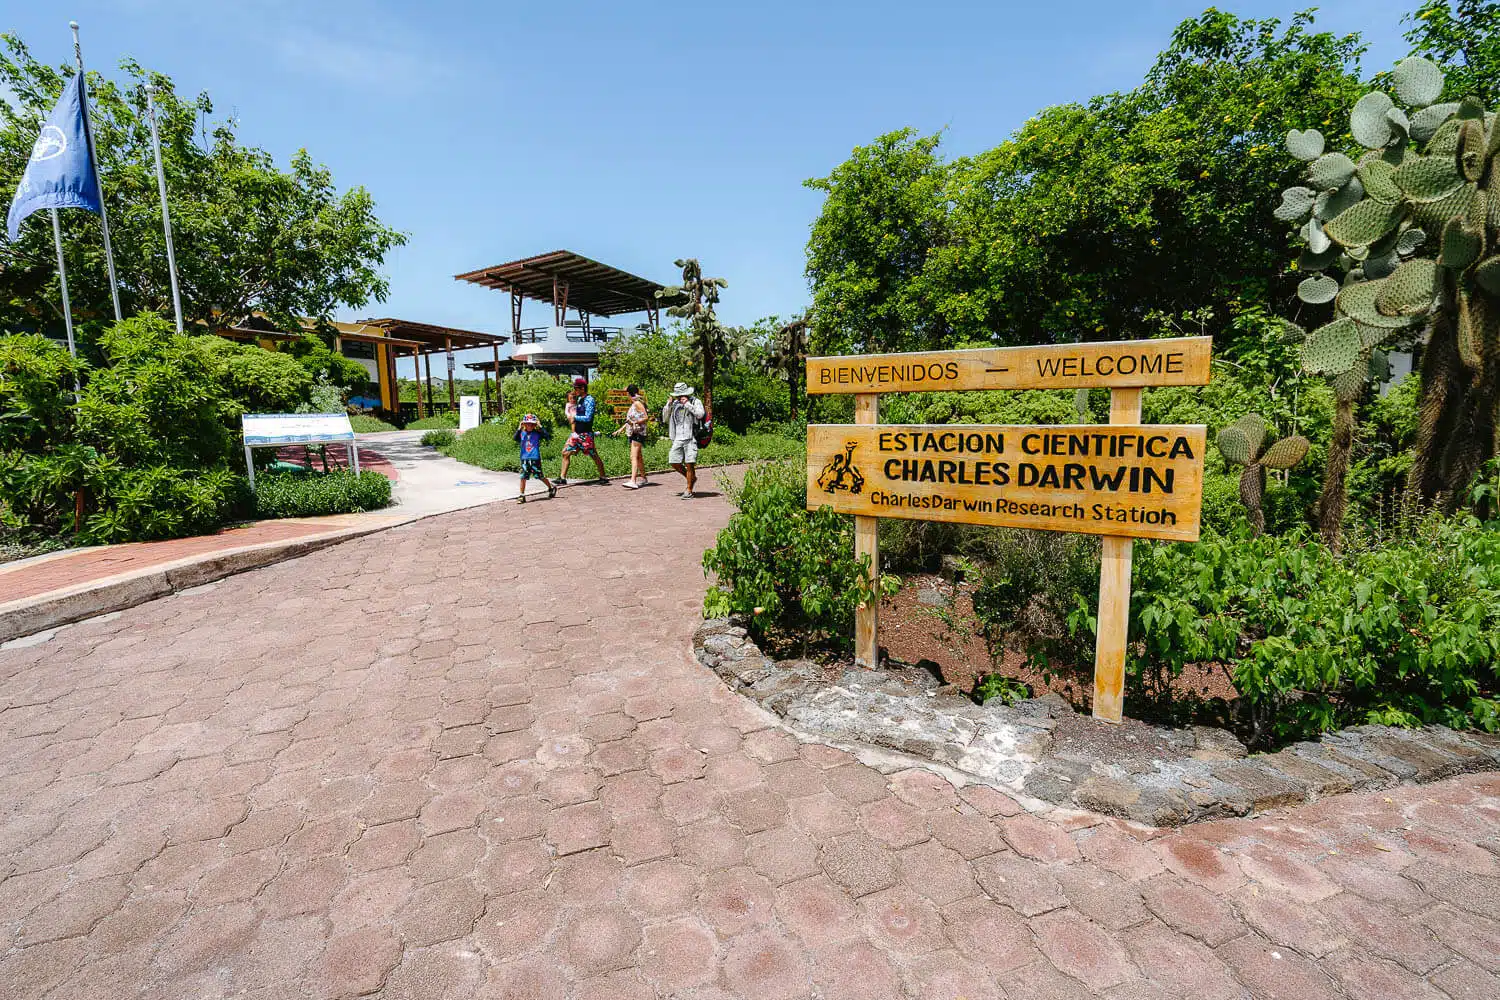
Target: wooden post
(486, 405)
(1114, 592)
(416, 377)
(449, 361)
(427, 364)
(499, 395)
(867, 543)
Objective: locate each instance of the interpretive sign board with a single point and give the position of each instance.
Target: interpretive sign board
(273, 430)
(618, 401)
(1144, 481)
(468, 413)
(1123, 481)
(1174, 361)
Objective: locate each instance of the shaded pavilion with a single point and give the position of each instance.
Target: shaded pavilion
(429, 340)
(567, 280)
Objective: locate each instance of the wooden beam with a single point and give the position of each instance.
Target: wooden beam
(427, 363)
(1114, 592)
(448, 360)
(867, 544)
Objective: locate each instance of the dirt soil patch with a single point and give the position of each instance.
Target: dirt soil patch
(930, 619)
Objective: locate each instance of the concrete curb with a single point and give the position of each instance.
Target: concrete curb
(56, 608)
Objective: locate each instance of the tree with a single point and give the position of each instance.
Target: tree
(787, 353)
(694, 301)
(1414, 226)
(249, 236)
(1090, 217)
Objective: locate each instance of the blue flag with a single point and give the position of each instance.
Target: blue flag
(60, 173)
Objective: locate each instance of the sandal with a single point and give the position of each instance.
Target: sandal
(552, 492)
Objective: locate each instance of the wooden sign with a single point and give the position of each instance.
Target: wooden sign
(1123, 481)
(1141, 481)
(1175, 361)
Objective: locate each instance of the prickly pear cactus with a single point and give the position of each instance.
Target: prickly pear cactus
(1241, 443)
(1413, 225)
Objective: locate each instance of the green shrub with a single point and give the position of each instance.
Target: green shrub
(535, 392)
(363, 423)
(787, 570)
(492, 446)
(319, 494)
(439, 439)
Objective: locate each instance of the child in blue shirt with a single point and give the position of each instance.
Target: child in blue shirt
(530, 436)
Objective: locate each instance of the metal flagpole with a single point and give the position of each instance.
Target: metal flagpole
(88, 131)
(62, 276)
(166, 218)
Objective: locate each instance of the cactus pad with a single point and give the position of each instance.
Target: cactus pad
(1374, 336)
(1331, 204)
(1418, 81)
(1309, 261)
(1380, 265)
(1434, 215)
(1410, 240)
(1368, 122)
(1350, 385)
(1471, 149)
(1235, 446)
(1317, 290)
(1445, 140)
(1317, 240)
(1364, 223)
(1332, 349)
(1425, 123)
(1409, 291)
(1463, 242)
(1380, 367)
(1307, 146)
(1400, 124)
(1357, 301)
(1330, 171)
(1296, 202)
(1426, 178)
(1291, 333)
(1375, 177)
(1286, 453)
(1487, 274)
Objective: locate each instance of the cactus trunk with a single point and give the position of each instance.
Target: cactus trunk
(1252, 492)
(1331, 504)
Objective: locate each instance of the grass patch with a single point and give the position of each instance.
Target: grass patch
(439, 422)
(490, 446)
(363, 423)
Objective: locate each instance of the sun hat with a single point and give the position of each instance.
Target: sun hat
(530, 418)
(682, 389)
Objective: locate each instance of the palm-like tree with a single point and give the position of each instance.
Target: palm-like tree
(694, 301)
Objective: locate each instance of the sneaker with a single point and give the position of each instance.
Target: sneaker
(689, 495)
(631, 485)
(602, 481)
(560, 481)
(552, 492)
(521, 498)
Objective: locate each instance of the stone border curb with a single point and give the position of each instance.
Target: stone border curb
(910, 712)
(56, 608)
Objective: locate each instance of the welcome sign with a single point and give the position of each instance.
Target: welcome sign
(1143, 481)
(1177, 361)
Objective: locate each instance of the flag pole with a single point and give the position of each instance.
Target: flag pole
(166, 218)
(88, 132)
(62, 277)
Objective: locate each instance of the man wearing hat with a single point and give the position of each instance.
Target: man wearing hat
(580, 411)
(680, 419)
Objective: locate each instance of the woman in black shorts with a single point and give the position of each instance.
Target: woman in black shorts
(634, 429)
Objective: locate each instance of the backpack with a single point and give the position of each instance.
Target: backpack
(703, 430)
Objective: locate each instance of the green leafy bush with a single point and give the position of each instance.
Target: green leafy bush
(436, 421)
(535, 392)
(439, 439)
(492, 446)
(788, 571)
(363, 423)
(320, 494)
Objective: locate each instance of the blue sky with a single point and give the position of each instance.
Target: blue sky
(630, 132)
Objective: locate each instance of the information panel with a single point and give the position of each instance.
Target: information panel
(1141, 481)
(262, 429)
(1173, 361)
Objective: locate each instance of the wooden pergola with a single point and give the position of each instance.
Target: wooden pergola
(425, 340)
(567, 279)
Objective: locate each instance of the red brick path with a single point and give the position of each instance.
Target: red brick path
(354, 774)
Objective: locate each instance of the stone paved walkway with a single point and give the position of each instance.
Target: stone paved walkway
(493, 770)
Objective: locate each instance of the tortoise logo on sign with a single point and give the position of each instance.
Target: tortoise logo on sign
(841, 473)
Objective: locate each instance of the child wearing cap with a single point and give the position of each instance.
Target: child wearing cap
(530, 436)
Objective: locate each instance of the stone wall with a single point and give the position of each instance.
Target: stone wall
(1205, 773)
